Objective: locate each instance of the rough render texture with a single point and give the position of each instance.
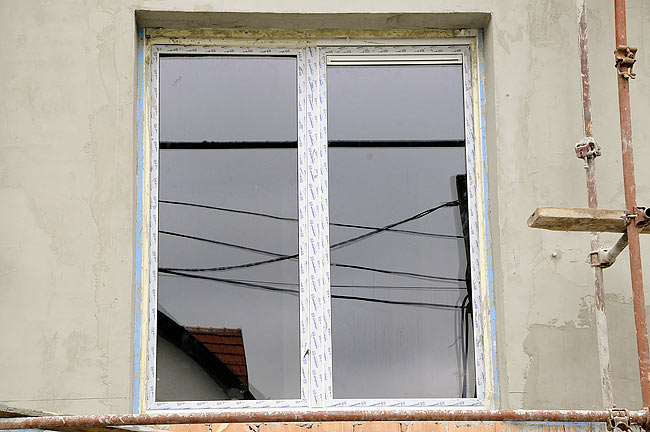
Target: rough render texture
(67, 184)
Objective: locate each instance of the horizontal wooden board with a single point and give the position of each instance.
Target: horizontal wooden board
(579, 219)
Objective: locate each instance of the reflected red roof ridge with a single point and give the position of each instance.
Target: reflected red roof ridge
(227, 345)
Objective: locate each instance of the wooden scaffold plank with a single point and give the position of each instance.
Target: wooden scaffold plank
(579, 219)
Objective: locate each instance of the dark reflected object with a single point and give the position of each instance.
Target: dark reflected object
(466, 320)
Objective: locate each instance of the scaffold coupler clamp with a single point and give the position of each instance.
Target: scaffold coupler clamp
(625, 59)
(646, 423)
(619, 418)
(597, 258)
(642, 217)
(587, 148)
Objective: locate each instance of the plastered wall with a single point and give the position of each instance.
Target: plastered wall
(68, 190)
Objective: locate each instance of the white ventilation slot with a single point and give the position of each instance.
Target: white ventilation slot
(395, 59)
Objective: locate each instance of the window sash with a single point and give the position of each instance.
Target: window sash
(313, 224)
(302, 228)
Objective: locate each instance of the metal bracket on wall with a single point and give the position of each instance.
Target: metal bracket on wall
(605, 257)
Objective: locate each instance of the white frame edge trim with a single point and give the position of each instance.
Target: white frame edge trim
(315, 308)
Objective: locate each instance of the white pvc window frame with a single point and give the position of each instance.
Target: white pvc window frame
(313, 225)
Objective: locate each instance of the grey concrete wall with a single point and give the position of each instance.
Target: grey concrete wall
(67, 188)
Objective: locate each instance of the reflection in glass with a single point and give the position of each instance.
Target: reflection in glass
(410, 336)
(227, 318)
(228, 99)
(395, 103)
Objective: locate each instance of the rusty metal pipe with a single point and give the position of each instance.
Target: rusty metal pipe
(629, 184)
(314, 415)
(592, 198)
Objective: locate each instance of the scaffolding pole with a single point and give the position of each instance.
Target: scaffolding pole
(617, 418)
(588, 150)
(625, 58)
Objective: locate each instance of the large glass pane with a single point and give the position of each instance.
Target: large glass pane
(228, 99)
(395, 103)
(401, 323)
(228, 305)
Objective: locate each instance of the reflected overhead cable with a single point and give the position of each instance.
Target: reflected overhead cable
(283, 218)
(221, 243)
(283, 257)
(399, 273)
(332, 247)
(394, 224)
(296, 292)
(228, 210)
(375, 287)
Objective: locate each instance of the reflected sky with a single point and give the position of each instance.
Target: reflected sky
(395, 103)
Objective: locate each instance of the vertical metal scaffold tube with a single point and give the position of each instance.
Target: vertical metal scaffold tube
(630, 204)
(590, 168)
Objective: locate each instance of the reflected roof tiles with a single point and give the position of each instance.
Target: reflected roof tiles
(225, 344)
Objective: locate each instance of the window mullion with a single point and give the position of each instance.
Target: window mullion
(303, 230)
(316, 150)
(325, 244)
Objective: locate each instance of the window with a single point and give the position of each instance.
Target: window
(314, 227)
